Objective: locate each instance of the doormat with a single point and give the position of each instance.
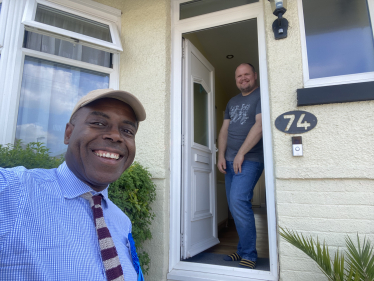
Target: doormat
(217, 259)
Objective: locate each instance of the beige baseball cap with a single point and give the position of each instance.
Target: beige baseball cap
(126, 97)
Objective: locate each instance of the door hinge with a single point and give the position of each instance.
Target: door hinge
(182, 240)
(182, 140)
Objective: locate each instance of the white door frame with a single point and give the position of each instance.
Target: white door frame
(179, 270)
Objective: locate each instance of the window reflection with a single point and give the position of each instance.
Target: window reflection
(339, 37)
(201, 7)
(49, 92)
(64, 20)
(201, 117)
(62, 48)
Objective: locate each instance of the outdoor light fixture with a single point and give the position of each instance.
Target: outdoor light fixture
(280, 25)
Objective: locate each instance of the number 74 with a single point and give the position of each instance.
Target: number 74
(304, 125)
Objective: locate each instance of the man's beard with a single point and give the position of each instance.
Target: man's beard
(247, 89)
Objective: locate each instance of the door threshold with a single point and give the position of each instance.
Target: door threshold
(188, 271)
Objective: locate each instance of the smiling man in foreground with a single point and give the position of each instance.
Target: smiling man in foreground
(59, 224)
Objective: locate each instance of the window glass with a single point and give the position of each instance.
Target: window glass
(64, 20)
(339, 37)
(201, 119)
(49, 92)
(201, 7)
(58, 47)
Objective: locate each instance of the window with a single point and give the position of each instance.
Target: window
(49, 91)
(337, 38)
(62, 51)
(63, 48)
(3, 14)
(71, 22)
(78, 27)
(201, 7)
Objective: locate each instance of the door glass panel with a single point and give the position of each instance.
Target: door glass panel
(201, 111)
(201, 7)
(71, 22)
(339, 37)
(49, 92)
(62, 48)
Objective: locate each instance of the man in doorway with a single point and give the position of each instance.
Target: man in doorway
(59, 224)
(240, 158)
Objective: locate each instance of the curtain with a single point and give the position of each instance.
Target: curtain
(58, 47)
(61, 19)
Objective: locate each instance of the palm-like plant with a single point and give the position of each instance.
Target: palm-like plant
(358, 265)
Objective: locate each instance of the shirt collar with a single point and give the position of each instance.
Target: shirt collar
(73, 187)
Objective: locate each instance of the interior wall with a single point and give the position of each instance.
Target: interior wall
(240, 40)
(237, 39)
(145, 71)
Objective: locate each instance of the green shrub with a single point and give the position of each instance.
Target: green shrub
(133, 193)
(33, 155)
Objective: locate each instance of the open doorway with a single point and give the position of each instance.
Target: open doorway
(225, 47)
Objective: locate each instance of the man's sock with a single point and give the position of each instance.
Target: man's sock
(247, 263)
(232, 257)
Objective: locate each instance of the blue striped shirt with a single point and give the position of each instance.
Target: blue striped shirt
(47, 230)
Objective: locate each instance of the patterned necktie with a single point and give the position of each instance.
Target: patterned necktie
(109, 255)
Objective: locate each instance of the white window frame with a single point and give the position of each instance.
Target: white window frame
(186, 271)
(69, 7)
(13, 57)
(331, 80)
(3, 18)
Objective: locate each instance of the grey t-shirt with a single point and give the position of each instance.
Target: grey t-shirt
(242, 111)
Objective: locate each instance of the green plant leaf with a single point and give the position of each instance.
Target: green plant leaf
(320, 254)
(359, 265)
(360, 259)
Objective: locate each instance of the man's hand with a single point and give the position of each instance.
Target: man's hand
(253, 137)
(222, 142)
(238, 161)
(221, 165)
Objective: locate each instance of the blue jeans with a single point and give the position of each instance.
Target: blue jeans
(239, 192)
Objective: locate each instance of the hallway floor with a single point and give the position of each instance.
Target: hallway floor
(229, 238)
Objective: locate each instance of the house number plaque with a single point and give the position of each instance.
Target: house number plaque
(296, 122)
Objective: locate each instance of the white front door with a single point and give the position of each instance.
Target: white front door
(199, 220)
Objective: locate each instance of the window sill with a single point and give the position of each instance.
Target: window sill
(363, 91)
